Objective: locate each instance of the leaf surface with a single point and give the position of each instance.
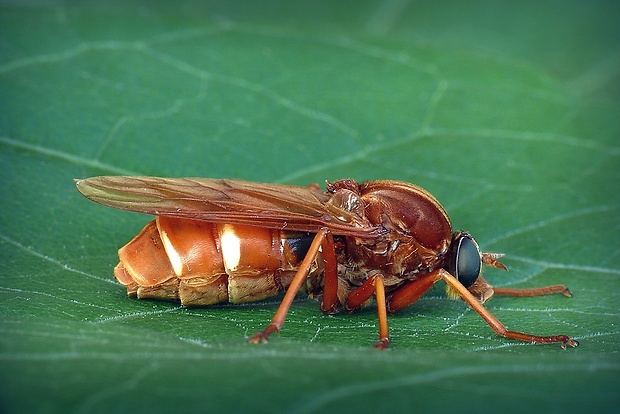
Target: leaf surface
(507, 113)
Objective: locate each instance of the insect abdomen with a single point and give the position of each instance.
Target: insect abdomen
(201, 263)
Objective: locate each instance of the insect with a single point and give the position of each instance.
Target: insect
(217, 240)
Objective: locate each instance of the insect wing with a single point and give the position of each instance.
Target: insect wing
(224, 201)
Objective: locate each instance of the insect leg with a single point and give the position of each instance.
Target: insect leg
(494, 323)
(300, 277)
(384, 336)
(412, 291)
(547, 290)
(329, 304)
(357, 297)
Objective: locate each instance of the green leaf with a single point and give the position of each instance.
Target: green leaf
(507, 112)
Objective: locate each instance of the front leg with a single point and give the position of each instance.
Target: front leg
(412, 291)
(499, 327)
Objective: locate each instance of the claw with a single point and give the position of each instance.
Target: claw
(382, 344)
(262, 336)
(258, 338)
(569, 341)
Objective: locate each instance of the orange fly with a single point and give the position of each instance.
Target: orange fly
(217, 240)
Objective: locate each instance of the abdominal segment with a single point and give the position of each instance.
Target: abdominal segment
(202, 263)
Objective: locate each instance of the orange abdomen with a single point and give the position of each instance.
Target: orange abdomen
(201, 263)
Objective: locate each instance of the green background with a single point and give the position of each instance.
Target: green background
(507, 111)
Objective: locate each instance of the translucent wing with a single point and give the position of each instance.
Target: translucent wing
(226, 201)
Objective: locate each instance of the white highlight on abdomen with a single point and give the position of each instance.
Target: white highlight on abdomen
(231, 248)
(173, 255)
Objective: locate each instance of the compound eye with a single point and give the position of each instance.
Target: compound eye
(468, 261)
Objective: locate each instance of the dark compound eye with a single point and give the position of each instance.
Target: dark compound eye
(467, 261)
